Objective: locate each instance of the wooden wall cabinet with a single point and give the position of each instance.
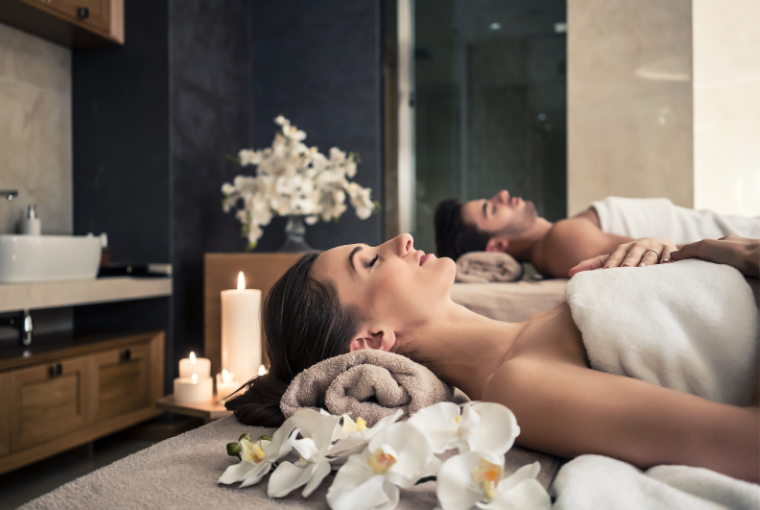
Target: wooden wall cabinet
(73, 395)
(72, 23)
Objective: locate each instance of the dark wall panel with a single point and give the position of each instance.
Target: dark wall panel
(120, 110)
(210, 90)
(319, 64)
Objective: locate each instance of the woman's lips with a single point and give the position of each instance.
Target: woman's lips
(425, 258)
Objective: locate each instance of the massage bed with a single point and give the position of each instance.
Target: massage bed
(182, 472)
(512, 301)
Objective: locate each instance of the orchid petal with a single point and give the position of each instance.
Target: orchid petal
(356, 487)
(439, 422)
(496, 430)
(413, 448)
(455, 488)
(356, 441)
(286, 478)
(239, 472)
(318, 473)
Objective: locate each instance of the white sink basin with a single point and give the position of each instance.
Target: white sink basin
(44, 258)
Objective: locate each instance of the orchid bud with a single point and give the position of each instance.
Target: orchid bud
(233, 449)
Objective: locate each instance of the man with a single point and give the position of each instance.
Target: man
(511, 225)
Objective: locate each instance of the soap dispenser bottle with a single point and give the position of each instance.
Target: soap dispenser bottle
(32, 224)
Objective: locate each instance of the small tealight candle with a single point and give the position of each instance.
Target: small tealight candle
(193, 365)
(193, 389)
(225, 384)
(262, 370)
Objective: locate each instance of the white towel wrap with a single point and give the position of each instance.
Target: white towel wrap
(658, 217)
(691, 326)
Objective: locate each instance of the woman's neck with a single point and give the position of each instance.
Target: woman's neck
(464, 348)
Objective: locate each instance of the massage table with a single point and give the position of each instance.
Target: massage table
(510, 302)
(182, 472)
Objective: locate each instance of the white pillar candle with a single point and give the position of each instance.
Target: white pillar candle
(193, 390)
(241, 336)
(193, 365)
(225, 384)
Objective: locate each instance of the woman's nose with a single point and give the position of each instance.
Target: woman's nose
(402, 244)
(502, 196)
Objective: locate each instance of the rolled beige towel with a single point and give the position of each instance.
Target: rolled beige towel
(487, 266)
(366, 384)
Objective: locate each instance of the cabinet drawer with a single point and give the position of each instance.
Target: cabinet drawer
(48, 401)
(122, 381)
(95, 14)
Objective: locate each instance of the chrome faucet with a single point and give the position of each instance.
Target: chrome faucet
(9, 194)
(23, 323)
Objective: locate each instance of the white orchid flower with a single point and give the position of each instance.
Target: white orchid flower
(258, 457)
(482, 426)
(356, 435)
(398, 456)
(475, 479)
(317, 431)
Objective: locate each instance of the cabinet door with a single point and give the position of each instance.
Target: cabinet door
(5, 414)
(92, 13)
(122, 379)
(48, 401)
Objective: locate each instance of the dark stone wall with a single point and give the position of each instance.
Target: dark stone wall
(120, 109)
(319, 65)
(195, 81)
(209, 101)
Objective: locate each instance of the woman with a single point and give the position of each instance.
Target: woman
(395, 298)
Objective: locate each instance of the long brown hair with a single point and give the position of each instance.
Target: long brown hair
(304, 324)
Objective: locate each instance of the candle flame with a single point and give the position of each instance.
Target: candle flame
(241, 281)
(195, 378)
(227, 377)
(262, 370)
(192, 358)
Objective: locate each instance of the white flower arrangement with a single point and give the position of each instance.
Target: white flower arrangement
(377, 462)
(293, 179)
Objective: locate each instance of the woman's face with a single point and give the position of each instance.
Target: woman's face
(393, 283)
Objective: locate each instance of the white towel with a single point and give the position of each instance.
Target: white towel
(658, 217)
(690, 326)
(595, 482)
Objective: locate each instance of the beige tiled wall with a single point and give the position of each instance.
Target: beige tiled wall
(35, 130)
(629, 100)
(664, 101)
(727, 106)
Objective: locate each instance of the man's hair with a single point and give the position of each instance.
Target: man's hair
(452, 237)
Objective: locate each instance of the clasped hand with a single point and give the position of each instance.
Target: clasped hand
(742, 253)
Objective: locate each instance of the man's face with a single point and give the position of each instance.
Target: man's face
(502, 215)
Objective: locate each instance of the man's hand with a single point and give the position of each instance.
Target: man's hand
(642, 252)
(742, 253)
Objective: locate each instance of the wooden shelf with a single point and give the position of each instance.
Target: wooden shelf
(29, 296)
(209, 411)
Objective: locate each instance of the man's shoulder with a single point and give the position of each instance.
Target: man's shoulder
(570, 228)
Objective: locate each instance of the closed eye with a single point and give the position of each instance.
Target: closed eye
(372, 262)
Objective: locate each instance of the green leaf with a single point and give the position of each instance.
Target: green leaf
(376, 207)
(355, 156)
(230, 157)
(251, 247)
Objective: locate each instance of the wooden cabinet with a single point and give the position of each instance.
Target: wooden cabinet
(122, 381)
(43, 395)
(58, 399)
(72, 23)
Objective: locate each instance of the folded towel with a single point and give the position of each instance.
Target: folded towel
(691, 326)
(658, 217)
(369, 384)
(593, 481)
(487, 266)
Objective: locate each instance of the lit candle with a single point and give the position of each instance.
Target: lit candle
(241, 336)
(193, 365)
(225, 384)
(262, 370)
(193, 389)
